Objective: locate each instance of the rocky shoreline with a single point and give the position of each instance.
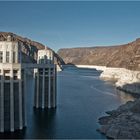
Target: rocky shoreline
(122, 123)
(126, 80)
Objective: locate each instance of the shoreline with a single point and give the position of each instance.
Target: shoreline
(123, 122)
(125, 80)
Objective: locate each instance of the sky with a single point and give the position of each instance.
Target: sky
(67, 24)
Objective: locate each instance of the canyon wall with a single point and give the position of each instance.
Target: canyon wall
(124, 56)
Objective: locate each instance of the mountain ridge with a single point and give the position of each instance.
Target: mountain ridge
(125, 56)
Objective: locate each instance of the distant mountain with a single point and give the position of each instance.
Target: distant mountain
(30, 47)
(127, 55)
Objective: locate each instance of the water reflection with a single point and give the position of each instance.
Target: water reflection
(43, 117)
(81, 99)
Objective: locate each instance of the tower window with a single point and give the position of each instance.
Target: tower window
(14, 57)
(7, 57)
(1, 56)
(7, 74)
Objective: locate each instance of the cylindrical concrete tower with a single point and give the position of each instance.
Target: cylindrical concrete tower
(12, 100)
(45, 81)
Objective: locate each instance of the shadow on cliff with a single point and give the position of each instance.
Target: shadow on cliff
(84, 70)
(69, 65)
(133, 89)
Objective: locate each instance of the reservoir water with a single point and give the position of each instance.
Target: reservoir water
(81, 99)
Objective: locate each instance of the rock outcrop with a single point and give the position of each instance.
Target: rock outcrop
(122, 123)
(126, 80)
(125, 56)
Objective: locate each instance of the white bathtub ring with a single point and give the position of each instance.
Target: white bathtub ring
(132, 77)
(138, 75)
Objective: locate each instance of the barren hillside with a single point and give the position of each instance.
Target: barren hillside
(127, 55)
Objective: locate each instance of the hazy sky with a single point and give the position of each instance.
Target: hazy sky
(62, 24)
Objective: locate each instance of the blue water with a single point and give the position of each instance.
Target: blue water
(81, 99)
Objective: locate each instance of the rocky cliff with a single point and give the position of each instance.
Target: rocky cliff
(126, 56)
(122, 123)
(28, 46)
(124, 79)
